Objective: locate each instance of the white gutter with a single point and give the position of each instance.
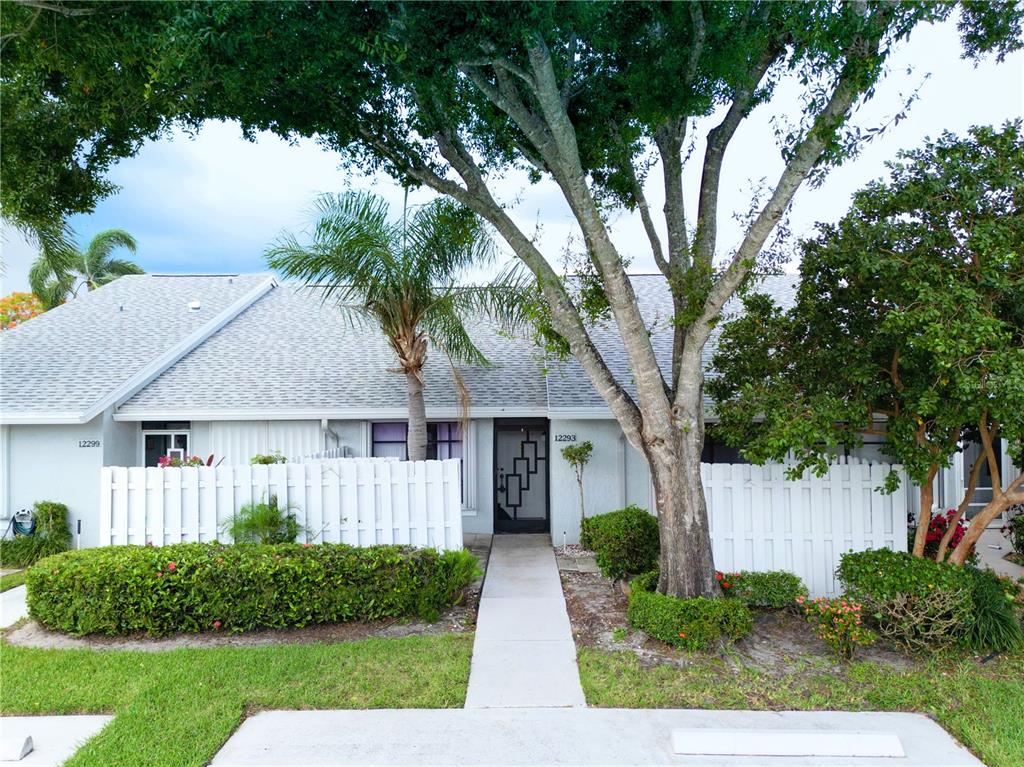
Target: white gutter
(158, 365)
(321, 414)
(45, 417)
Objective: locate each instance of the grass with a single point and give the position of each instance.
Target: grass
(11, 580)
(179, 707)
(980, 705)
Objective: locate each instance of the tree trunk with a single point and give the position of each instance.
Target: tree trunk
(687, 567)
(924, 514)
(981, 521)
(579, 481)
(416, 437)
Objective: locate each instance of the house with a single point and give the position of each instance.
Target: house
(236, 365)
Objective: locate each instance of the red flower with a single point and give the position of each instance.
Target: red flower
(682, 634)
(725, 584)
(171, 566)
(718, 576)
(216, 624)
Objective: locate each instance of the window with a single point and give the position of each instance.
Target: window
(160, 438)
(444, 440)
(716, 451)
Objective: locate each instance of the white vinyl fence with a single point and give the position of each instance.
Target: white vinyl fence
(762, 521)
(361, 502)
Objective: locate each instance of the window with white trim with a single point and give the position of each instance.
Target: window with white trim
(444, 440)
(165, 438)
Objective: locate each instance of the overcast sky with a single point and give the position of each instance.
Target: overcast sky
(213, 203)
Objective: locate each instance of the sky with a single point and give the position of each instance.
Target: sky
(213, 203)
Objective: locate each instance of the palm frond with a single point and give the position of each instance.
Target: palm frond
(506, 299)
(446, 330)
(351, 252)
(106, 242)
(444, 239)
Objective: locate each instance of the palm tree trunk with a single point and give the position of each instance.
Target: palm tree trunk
(416, 439)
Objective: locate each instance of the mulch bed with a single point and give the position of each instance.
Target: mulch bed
(458, 619)
(781, 643)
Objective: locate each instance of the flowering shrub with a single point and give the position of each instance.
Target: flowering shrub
(174, 462)
(937, 528)
(838, 623)
(18, 307)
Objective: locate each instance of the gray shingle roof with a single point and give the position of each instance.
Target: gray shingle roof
(67, 359)
(569, 388)
(285, 352)
(291, 352)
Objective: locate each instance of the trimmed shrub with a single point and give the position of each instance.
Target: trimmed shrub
(839, 624)
(211, 586)
(51, 536)
(646, 581)
(692, 624)
(625, 542)
(914, 602)
(772, 589)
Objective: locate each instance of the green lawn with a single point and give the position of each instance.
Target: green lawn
(178, 707)
(11, 580)
(980, 705)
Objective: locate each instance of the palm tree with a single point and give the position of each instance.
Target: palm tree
(57, 274)
(403, 277)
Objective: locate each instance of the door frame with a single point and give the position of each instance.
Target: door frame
(509, 424)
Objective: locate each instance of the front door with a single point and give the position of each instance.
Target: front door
(521, 476)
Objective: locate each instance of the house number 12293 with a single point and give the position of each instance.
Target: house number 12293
(565, 438)
(88, 443)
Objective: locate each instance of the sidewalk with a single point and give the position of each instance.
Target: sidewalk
(523, 654)
(12, 606)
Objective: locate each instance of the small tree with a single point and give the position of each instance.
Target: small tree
(908, 325)
(17, 308)
(403, 277)
(578, 457)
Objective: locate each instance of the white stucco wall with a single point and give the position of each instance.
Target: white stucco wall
(46, 463)
(478, 517)
(616, 475)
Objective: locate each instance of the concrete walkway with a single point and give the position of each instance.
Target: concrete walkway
(12, 606)
(523, 654)
(588, 737)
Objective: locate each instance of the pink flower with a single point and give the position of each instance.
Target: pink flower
(171, 566)
(216, 624)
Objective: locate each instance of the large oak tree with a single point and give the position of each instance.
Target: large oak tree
(451, 96)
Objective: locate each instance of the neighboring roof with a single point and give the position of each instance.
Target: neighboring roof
(569, 388)
(70, 363)
(292, 354)
(259, 349)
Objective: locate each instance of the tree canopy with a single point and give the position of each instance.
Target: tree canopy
(908, 324)
(591, 96)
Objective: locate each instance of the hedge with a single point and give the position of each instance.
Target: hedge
(692, 624)
(770, 589)
(191, 587)
(921, 604)
(51, 536)
(624, 542)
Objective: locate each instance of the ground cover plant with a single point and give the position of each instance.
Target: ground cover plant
(981, 705)
(51, 536)
(192, 587)
(177, 708)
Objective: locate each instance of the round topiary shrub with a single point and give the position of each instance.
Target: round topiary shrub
(624, 542)
(211, 586)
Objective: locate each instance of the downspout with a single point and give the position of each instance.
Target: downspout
(326, 429)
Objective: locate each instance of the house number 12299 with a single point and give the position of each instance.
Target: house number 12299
(88, 443)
